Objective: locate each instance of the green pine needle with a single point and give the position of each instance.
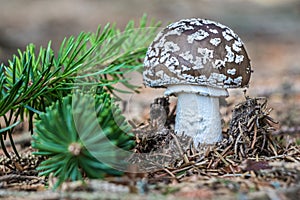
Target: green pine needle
(82, 135)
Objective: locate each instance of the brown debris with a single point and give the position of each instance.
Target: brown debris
(249, 153)
(259, 161)
(250, 129)
(20, 173)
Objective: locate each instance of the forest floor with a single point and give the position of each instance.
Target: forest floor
(257, 160)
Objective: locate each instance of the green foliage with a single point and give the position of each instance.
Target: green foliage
(34, 79)
(74, 131)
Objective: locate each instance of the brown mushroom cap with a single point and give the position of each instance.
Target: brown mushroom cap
(197, 52)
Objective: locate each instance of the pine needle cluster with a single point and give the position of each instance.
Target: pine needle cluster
(82, 135)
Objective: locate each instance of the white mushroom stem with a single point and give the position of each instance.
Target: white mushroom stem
(199, 117)
(197, 113)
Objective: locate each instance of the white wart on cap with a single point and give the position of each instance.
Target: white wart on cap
(197, 60)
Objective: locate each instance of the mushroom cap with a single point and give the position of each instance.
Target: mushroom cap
(197, 52)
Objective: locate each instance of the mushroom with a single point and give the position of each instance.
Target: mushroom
(197, 60)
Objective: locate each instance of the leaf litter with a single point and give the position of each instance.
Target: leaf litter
(255, 155)
(252, 156)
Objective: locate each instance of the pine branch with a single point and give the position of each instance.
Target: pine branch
(34, 79)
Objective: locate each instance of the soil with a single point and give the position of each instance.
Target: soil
(270, 32)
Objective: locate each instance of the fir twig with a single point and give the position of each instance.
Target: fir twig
(34, 79)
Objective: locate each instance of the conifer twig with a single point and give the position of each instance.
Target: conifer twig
(34, 79)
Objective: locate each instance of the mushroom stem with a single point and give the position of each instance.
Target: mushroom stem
(199, 117)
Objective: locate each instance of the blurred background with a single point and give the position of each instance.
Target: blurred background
(270, 30)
